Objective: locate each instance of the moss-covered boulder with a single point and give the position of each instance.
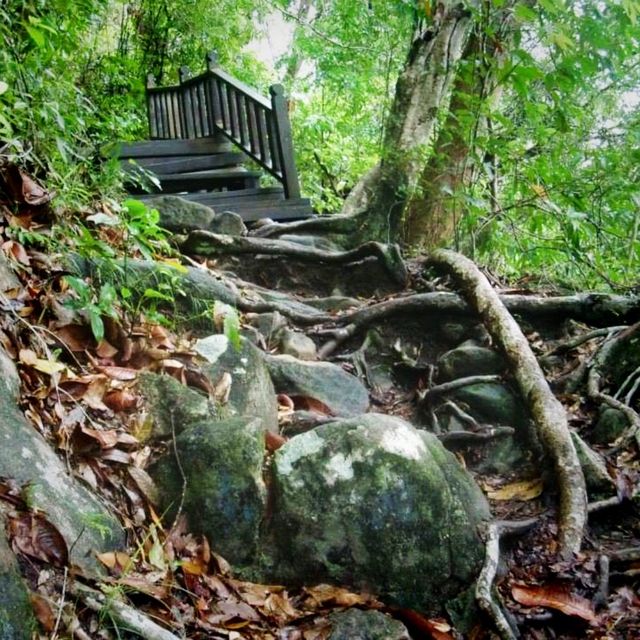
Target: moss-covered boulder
(373, 503)
(172, 405)
(84, 522)
(217, 476)
(251, 391)
(342, 393)
(16, 616)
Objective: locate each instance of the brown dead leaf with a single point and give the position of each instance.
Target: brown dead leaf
(306, 403)
(273, 441)
(34, 536)
(43, 612)
(121, 400)
(423, 627)
(555, 596)
(116, 561)
(521, 490)
(325, 594)
(124, 374)
(145, 483)
(106, 439)
(106, 350)
(16, 251)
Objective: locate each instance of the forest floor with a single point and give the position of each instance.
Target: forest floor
(81, 395)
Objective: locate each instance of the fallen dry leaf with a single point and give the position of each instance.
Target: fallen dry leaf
(117, 561)
(43, 612)
(521, 490)
(124, 374)
(273, 441)
(34, 536)
(555, 596)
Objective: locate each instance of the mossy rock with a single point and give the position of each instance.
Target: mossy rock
(16, 616)
(375, 504)
(172, 405)
(25, 456)
(222, 491)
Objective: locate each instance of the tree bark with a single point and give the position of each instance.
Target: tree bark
(423, 92)
(432, 215)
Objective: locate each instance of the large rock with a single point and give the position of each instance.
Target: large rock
(251, 392)
(222, 489)
(16, 616)
(373, 503)
(491, 403)
(172, 405)
(298, 345)
(469, 360)
(341, 392)
(25, 456)
(354, 624)
(228, 223)
(180, 215)
(611, 424)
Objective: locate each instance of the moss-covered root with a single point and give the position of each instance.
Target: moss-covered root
(548, 413)
(206, 243)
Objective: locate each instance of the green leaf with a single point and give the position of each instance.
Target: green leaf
(231, 328)
(36, 35)
(524, 13)
(97, 325)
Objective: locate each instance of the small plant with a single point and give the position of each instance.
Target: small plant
(94, 303)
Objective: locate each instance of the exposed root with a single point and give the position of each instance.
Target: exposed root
(597, 373)
(453, 385)
(205, 243)
(464, 438)
(548, 413)
(322, 225)
(484, 586)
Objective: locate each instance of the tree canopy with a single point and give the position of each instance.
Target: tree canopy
(528, 162)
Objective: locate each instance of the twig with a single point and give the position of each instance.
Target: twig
(484, 585)
(576, 341)
(453, 385)
(63, 594)
(122, 613)
(180, 469)
(462, 415)
(315, 30)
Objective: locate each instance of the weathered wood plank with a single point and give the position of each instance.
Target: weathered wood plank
(172, 164)
(151, 148)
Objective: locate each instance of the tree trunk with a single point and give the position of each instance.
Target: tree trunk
(422, 94)
(432, 215)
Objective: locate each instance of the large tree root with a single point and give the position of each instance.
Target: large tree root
(549, 415)
(339, 225)
(205, 243)
(591, 308)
